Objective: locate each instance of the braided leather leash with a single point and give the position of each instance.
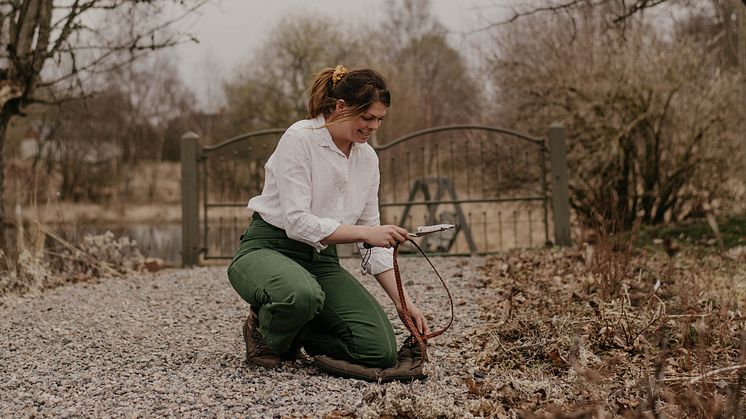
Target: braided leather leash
(408, 321)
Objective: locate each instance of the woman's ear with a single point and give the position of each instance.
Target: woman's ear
(340, 105)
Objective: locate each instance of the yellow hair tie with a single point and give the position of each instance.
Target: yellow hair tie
(339, 72)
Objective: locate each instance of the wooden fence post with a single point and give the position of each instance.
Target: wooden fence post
(189, 199)
(560, 192)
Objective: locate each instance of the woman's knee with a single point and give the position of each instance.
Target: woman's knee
(249, 291)
(378, 356)
(387, 356)
(265, 276)
(374, 348)
(307, 300)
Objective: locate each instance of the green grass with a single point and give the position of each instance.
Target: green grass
(698, 232)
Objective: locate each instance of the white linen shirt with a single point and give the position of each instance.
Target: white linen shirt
(311, 188)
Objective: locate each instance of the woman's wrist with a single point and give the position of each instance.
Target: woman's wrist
(397, 304)
(347, 233)
(364, 232)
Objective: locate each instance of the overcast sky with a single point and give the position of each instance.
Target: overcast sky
(229, 30)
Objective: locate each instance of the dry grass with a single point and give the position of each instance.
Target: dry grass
(564, 346)
(43, 259)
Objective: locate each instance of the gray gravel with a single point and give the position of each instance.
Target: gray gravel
(170, 344)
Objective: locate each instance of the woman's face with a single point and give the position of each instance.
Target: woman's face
(360, 128)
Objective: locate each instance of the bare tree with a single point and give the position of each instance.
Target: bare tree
(79, 146)
(408, 21)
(416, 59)
(56, 50)
(651, 116)
(156, 97)
(431, 80)
(616, 11)
(269, 90)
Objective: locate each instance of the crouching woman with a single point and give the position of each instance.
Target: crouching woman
(321, 189)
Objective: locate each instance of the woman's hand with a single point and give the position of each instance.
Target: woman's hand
(387, 279)
(418, 318)
(386, 236)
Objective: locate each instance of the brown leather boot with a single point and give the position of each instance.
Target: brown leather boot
(408, 366)
(293, 353)
(410, 363)
(346, 369)
(257, 350)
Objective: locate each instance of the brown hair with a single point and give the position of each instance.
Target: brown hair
(358, 88)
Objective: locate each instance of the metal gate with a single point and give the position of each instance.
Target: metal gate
(490, 181)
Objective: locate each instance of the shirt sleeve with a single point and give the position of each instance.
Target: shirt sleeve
(376, 259)
(292, 171)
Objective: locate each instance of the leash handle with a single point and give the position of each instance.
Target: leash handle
(370, 246)
(422, 231)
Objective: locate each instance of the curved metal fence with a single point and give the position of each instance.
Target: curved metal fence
(491, 181)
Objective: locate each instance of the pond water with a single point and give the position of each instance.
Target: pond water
(161, 241)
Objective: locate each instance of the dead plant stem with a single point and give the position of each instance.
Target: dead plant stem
(716, 372)
(51, 233)
(734, 390)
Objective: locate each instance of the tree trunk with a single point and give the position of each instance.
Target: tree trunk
(4, 119)
(741, 16)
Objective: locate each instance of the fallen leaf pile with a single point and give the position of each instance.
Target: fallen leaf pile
(667, 340)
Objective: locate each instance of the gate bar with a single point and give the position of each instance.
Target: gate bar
(539, 141)
(190, 199)
(462, 201)
(560, 191)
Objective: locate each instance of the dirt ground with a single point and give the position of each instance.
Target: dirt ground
(573, 332)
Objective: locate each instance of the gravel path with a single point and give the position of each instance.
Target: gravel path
(170, 344)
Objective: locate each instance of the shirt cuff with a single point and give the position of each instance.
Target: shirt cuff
(327, 226)
(380, 260)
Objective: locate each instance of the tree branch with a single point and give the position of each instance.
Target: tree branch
(628, 11)
(637, 7)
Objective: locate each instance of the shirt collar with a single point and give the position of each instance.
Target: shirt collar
(324, 138)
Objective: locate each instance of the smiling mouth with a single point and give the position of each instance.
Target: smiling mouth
(363, 133)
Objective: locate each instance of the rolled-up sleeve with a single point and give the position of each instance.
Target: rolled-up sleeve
(291, 167)
(377, 259)
(380, 259)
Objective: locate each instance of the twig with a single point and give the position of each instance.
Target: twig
(715, 372)
(497, 338)
(678, 316)
(689, 377)
(626, 294)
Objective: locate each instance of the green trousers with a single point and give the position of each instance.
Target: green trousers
(306, 297)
